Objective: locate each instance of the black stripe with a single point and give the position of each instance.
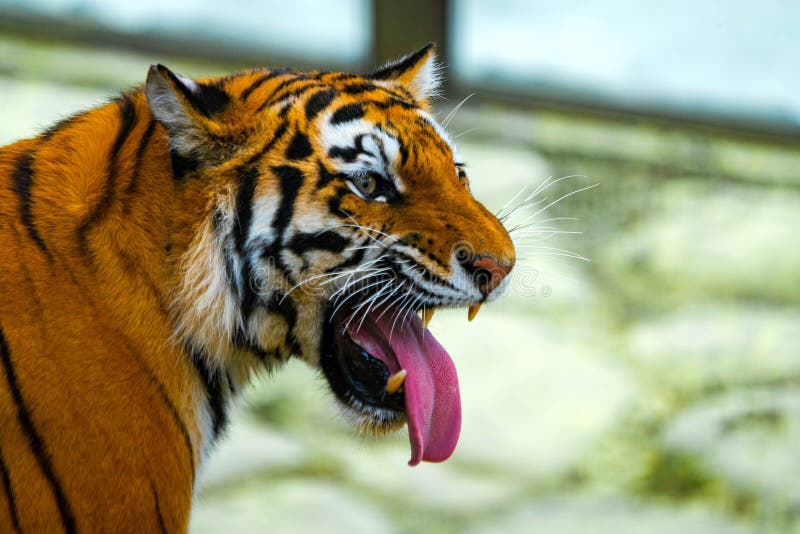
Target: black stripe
(353, 260)
(214, 99)
(335, 202)
(298, 91)
(339, 76)
(384, 158)
(349, 112)
(287, 83)
(127, 114)
(291, 179)
(261, 79)
(284, 306)
(325, 176)
(403, 95)
(279, 133)
(34, 440)
(248, 297)
(393, 101)
(421, 269)
(286, 94)
(285, 88)
(159, 515)
(23, 181)
(392, 98)
(216, 221)
(299, 147)
(284, 111)
(12, 505)
(347, 153)
(271, 252)
(403, 153)
(179, 422)
(413, 285)
(215, 384)
(326, 240)
(399, 93)
(248, 178)
(318, 101)
(358, 88)
(134, 183)
(182, 165)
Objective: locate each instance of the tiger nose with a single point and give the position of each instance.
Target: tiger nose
(487, 272)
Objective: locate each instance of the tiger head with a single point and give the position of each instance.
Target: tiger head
(337, 210)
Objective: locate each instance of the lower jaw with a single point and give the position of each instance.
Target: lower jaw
(372, 410)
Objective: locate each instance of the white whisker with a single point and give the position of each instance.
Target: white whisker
(499, 212)
(559, 199)
(453, 112)
(465, 132)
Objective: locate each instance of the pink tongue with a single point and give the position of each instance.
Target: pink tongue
(433, 404)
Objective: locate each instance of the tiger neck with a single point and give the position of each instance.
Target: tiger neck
(148, 242)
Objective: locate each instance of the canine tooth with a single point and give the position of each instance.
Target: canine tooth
(473, 311)
(395, 381)
(427, 315)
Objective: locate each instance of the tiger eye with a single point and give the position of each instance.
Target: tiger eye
(366, 184)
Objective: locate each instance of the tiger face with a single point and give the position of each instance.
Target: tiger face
(338, 211)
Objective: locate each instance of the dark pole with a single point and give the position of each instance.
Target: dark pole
(403, 26)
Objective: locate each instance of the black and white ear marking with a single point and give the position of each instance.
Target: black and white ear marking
(418, 73)
(174, 100)
(183, 106)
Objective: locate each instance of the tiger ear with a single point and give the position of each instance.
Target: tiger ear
(186, 108)
(418, 73)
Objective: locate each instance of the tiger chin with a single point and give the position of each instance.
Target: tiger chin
(162, 248)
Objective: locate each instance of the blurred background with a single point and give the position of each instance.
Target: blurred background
(643, 373)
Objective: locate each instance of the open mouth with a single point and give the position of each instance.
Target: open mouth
(389, 369)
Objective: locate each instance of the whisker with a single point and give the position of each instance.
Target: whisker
(541, 188)
(359, 225)
(351, 274)
(396, 299)
(453, 112)
(411, 307)
(541, 234)
(399, 310)
(367, 302)
(499, 212)
(347, 297)
(377, 304)
(555, 252)
(307, 281)
(527, 220)
(378, 274)
(559, 199)
(465, 132)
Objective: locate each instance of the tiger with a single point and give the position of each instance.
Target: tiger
(163, 248)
